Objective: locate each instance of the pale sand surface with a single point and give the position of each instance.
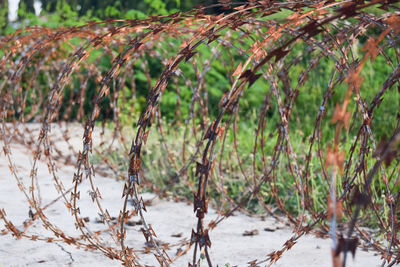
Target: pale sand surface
(166, 217)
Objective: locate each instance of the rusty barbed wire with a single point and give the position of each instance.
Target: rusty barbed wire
(117, 73)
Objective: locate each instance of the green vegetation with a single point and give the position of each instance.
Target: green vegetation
(3, 14)
(56, 13)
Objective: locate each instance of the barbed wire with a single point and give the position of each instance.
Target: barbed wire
(59, 75)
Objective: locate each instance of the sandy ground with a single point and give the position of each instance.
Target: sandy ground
(171, 221)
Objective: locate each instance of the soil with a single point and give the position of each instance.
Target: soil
(236, 241)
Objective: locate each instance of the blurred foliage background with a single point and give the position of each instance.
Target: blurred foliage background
(55, 13)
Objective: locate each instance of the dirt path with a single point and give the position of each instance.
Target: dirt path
(171, 221)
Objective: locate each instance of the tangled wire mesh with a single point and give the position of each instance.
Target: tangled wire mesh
(269, 57)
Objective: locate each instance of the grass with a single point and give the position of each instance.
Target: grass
(161, 173)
